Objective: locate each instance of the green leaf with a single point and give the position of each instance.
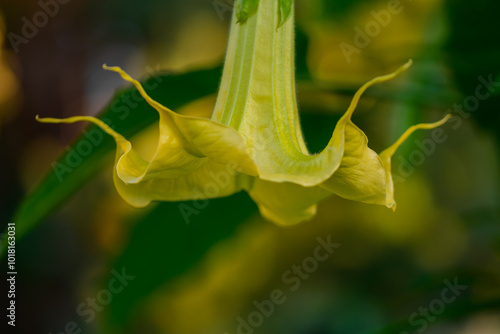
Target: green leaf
(128, 115)
(285, 9)
(246, 9)
(164, 246)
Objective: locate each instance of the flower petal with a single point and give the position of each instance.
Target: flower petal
(365, 176)
(195, 158)
(257, 98)
(387, 154)
(286, 203)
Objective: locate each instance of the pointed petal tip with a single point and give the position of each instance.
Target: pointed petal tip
(46, 119)
(111, 68)
(422, 126)
(404, 67)
(446, 118)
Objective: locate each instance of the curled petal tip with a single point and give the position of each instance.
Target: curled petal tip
(43, 119)
(438, 123)
(406, 66)
(111, 68)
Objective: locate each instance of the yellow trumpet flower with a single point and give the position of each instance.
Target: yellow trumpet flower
(253, 141)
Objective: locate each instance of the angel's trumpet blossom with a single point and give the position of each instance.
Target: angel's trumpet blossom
(253, 141)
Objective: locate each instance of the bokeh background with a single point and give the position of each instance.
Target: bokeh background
(204, 277)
